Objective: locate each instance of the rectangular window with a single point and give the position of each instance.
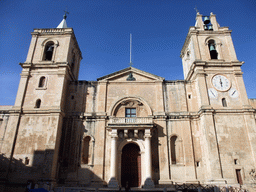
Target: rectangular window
(130, 112)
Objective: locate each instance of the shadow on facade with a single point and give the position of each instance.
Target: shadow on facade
(7, 182)
(5, 185)
(18, 174)
(155, 155)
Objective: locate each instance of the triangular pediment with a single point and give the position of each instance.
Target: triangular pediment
(131, 74)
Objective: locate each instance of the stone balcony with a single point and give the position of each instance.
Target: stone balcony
(130, 122)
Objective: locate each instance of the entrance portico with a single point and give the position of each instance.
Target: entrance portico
(125, 133)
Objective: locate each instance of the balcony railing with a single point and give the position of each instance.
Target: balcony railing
(131, 120)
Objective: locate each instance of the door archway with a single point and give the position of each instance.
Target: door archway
(131, 165)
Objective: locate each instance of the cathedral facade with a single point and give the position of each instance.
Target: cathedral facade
(130, 126)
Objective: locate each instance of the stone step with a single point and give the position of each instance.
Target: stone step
(87, 189)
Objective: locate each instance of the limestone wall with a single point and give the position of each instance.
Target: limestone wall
(176, 101)
(253, 103)
(50, 94)
(4, 117)
(234, 146)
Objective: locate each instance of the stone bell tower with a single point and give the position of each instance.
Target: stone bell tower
(209, 58)
(34, 128)
(207, 42)
(211, 66)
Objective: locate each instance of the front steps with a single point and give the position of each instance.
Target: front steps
(179, 188)
(88, 189)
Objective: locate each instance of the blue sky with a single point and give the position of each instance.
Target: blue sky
(102, 28)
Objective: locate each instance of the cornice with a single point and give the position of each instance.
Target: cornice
(201, 32)
(44, 64)
(133, 70)
(201, 65)
(52, 31)
(166, 117)
(37, 112)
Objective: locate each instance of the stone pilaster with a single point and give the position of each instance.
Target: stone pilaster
(203, 91)
(148, 161)
(113, 183)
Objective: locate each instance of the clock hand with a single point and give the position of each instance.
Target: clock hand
(212, 93)
(220, 82)
(233, 93)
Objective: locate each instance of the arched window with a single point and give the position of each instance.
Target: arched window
(48, 51)
(42, 82)
(38, 103)
(173, 149)
(212, 49)
(224, 102)
(85, 150)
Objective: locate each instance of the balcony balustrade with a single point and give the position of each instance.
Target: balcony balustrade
(131, 120)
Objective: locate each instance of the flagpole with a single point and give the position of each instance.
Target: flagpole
(130, 48)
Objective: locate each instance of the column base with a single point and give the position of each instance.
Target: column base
(165, 182)
(149, 184)
(113, 183)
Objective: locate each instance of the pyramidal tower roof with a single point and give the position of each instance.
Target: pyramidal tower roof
(63, 23)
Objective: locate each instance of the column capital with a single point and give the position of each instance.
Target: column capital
(147, 136)
(147, 133)
(114, 133)
(126, 133)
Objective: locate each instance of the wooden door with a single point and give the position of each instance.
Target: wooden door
(239, 176)
(131, 165)
(139, 170)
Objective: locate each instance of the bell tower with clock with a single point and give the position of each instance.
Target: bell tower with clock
(213, 74)
(209, 58)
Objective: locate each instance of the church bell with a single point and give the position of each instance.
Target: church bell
(50, 49)
(210, 27)
(212, 47)
(206, 20)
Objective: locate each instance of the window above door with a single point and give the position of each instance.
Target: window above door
(130, 112)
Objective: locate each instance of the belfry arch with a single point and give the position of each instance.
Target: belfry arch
(50, 44)
(217, 44)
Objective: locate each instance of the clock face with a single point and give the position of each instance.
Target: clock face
(233, 93)
(212, 93)
(221, 82)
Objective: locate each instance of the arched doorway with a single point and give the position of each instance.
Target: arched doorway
(131, 165)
